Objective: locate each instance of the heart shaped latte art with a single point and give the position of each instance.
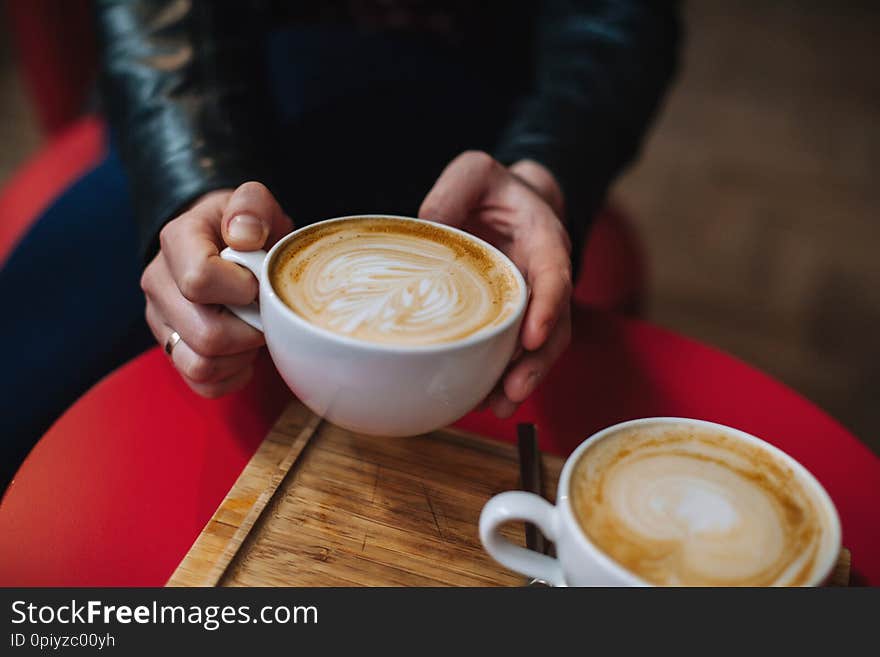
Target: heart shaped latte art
(685, 507)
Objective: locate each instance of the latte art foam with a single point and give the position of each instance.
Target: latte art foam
(395, 282)
(683, 506)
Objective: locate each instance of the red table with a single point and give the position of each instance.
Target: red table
(122, 484)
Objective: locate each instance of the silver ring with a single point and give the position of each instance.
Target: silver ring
(171, 342)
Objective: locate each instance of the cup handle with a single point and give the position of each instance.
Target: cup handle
(528, 507)
(252, 260)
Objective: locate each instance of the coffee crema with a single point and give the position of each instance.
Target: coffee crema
(394, 282)
(681, 505)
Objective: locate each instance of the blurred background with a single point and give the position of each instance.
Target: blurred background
(758, 201)
(753, 198)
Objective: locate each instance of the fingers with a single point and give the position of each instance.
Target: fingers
(208, 376)
(549, 277)
(191, 246)
(253, 218)
(247, 219)
(461, 187)
(474, 181)
(527, 373)
(511, 206)
(551, 295)
(233, 383)
(501, 406)
(215, 389)
(529, 370)
(198, 370)
(203, 370)
(207, 329)
(188, 281)
(541, 180)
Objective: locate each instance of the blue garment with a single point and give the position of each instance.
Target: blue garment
(73, 308)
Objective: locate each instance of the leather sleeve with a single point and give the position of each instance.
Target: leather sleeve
(178, 90)
(600, 72)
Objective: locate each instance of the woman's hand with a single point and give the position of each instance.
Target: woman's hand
(187, 284)
(518, 210)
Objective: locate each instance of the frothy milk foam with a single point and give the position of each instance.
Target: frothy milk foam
(394, 282)
(681, 505)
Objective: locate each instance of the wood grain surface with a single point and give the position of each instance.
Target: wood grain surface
(321, 506)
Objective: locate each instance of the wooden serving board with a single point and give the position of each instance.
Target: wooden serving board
(321, 506)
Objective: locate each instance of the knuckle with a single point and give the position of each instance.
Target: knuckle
(478, 157)
(151, 313)
(200, 369)
(208, 391)
(565, 238)
(429, 207)
(216, 390)
(194, 283)
(209, 339)
(480, 160)
(560, 273)
(254, 195)
(253, 289)
(166, 235)
(567, 284)
(147, 279)
(564, 274)
(253, 187)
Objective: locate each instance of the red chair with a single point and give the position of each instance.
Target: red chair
(614, 270)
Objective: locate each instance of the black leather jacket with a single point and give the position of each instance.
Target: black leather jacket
(179, 86)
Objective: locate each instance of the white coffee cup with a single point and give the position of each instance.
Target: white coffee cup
(579, 561)
(373, 388)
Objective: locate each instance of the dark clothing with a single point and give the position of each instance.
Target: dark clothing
(571, 84)
(74, 279)
(340, 114)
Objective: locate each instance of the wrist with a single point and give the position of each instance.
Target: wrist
(543, 182)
